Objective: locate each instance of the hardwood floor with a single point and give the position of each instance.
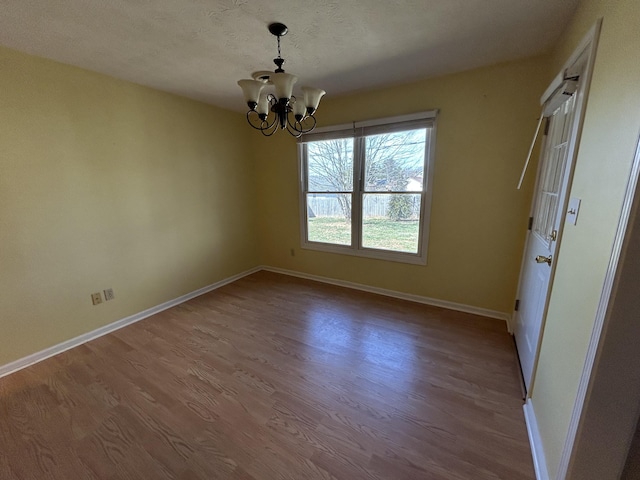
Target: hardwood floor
(274, 377)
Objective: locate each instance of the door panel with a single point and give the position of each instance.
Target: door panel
(540, 248)
(531, 309)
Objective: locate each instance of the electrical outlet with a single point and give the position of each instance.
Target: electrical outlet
(96, 298)
(108, 294)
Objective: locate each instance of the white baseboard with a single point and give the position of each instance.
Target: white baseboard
(79, 340)
(537, 451)
(392, 293)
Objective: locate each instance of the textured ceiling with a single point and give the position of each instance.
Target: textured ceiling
(199, 48)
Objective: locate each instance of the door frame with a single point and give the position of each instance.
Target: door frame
(582, 58)
(612, 356)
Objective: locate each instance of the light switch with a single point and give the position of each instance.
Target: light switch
(572, 211)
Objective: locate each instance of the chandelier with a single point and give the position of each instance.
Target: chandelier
(291, 113)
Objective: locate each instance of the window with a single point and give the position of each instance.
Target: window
(366, 188)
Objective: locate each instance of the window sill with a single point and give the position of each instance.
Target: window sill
(400, 257)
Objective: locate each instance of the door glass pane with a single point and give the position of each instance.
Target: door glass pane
(394, 162)
(554, 163)
(329, 218)
(330, 165)
(391, 221)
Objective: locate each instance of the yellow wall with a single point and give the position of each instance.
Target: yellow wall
(107, 184)
(478, 222)
(611, 128)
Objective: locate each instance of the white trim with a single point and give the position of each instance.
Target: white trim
(590, 38)
(398, 119)
(378, 121)
(537, 451)
(553, 86)
(601, 317)
(582, 59)
(333, 128)
(426, 194)
(24, 362)
(388, 255)
(395, 294)
(99, 332)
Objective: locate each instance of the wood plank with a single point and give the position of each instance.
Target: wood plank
(275, 377)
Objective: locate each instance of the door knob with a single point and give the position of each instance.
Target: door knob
(543, 259)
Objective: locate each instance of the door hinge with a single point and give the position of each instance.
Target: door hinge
(517, 306)
(546, 125)
(530, 223)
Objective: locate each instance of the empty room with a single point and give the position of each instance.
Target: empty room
(308, 239)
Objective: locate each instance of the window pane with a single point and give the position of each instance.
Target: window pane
(329, 218)
(363, 194)
(391, 221)
(330, 165)
(554, 163)
(394, 162)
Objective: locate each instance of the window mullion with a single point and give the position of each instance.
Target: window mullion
(304, 169)
(426, 190)
(358, 187)
(303, 187)
(381, 162)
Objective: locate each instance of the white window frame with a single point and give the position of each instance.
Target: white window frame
(357, 131)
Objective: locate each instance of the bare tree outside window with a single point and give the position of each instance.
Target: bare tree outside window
(392, 159)
(381, 212)
(330, 169)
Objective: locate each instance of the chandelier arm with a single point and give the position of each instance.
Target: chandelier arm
(261, 126)
(293, 130)
(270, 130)
(302, 128)
(312, 126)
(281, 107)
(294, 126)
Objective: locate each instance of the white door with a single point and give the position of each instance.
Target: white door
(540, 248)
